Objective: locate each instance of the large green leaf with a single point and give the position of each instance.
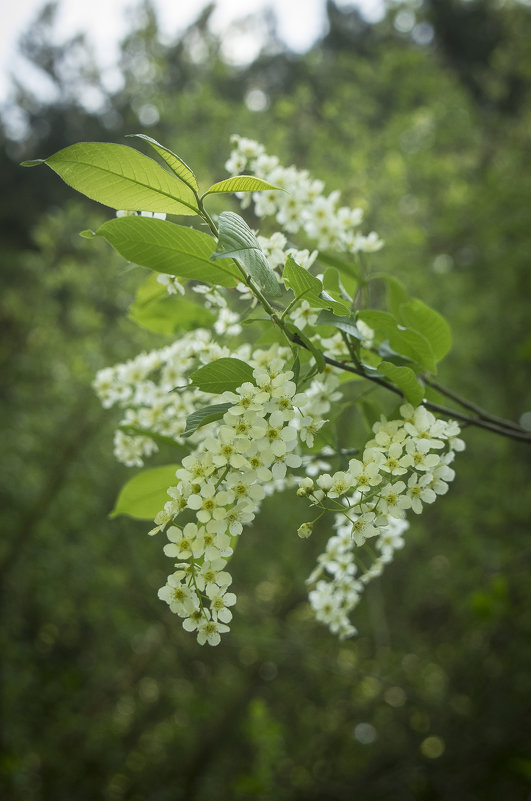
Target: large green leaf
(145, 494)
(415, 314)
(201, 417)
(122, 178)
(174, 162)
(156, 310)
(166, 247)
(405, 379)
(402, 340)
(241, 183)
(222, 375)
(238, 241)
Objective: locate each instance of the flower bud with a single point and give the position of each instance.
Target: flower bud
(305, 530)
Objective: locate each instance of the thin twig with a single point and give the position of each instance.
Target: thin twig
(473, 407)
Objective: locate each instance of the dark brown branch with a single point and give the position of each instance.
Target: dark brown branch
(488, 422)
(473, 407)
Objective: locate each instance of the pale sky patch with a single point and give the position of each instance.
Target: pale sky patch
(300, 23)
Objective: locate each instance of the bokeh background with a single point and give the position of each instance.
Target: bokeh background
(423, 117)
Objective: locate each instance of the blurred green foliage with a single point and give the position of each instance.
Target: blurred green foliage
(425, 122)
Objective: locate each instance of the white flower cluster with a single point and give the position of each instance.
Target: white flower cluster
(303, 206)
(142, 387)
(233, 464)
(405, 465)
(221, 485)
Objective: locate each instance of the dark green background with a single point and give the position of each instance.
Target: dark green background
(103, 694)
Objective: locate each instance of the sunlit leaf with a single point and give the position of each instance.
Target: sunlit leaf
(241, 183)
(122, 178)
(145, 494)
(174, 162)
(166, 247)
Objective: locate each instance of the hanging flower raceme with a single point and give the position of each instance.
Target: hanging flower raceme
(275, 375)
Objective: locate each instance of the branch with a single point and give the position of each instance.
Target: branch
(495, 425)
(473, 407)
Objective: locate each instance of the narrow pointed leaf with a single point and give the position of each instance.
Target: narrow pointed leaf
(174, 162)
(122, 178)
(166, 247)
(241, 183)
(145, 494)
(32, 163)
(238, 241)
(201, 417)
(405, 379)
(223, 375)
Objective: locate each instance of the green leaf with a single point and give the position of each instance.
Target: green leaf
(404, 341)
(223, 375)
(306, 286)
(122, 178)
(346, 324)
(32, 163)
(88, 233)
(416, 315)
(299, 280)
(134, 431)
(296, 368)
(301, 337)
(201, 417)
(241, 183)
(145, 494)
(334, 286)
(405, 379)
(157, 311)
(347, 268)
(166, 247)
(238, 241)
(396, 293)
(174, 162)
